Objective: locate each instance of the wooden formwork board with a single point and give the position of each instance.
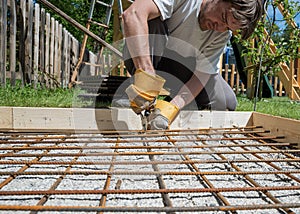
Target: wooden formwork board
(88, 119)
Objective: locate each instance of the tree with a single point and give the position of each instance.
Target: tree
(257, 48)
(79, 11)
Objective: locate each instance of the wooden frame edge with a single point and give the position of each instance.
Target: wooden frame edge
(279, 126)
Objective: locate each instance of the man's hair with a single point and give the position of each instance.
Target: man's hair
(248, 13)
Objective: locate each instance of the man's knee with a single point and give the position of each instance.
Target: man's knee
(231, 103)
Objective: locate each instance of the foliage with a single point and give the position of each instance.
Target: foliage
(257, 48)
(79, 11)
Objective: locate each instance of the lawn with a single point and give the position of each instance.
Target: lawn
(279, 106)
(66, 98)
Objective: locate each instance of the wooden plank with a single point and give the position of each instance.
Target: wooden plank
(211, 119)
(28, 43)
(42, 46)
(64, 58)
(280, 88)
(92, 68)
(51, 54)
(36, 43)
(275, 85)
(226, 72)
(55, 119)
(3, 41)
(12, 42)
(72, 119)
(237, 87)
(6, 118)
(59, 54)
(42, 118)
(47, 50)
(56, 52)
(75, 52)
(68, 59)
(279, 126)
(22, 27)
(232, 75)
(297, 67)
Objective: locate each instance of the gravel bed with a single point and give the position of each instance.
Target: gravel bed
(131, 181)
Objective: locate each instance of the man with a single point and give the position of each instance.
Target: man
(181, 41)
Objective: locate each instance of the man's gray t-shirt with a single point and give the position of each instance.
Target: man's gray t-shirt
(186, 37)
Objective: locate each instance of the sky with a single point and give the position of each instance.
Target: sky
(279, 16)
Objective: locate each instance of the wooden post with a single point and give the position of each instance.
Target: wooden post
(28, 44)
(226, 73)
(276, 85)
(12, 42)
(55, 62)
(122, 68)
(290, 74)
(243, 88)
(297, 67)
(51, 62)
(68, 59)
(232, 75)
(42, 46)
(237, 83)
(3, 42)
(109, 65)
(59, 55)
(64, 59)
(221, 64)
(47, 50)
(280, 88)
(36, 44)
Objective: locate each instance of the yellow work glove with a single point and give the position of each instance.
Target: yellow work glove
(143, 92)
(162, 115)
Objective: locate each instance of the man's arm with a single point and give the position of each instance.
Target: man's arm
(165, 112)
(191, 89)
(135, 23)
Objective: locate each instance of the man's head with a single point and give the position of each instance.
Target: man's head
(222, 15)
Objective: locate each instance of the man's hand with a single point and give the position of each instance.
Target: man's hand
(142, 94)
(162, 115)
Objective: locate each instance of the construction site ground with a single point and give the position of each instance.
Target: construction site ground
(233, 166)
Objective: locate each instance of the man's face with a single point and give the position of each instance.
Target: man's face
(216, 15)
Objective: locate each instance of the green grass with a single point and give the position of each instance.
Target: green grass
(277, 106)
(29, 97)
(66, 98)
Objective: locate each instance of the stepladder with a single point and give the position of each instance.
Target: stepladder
(112, 8)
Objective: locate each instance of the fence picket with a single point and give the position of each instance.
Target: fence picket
(42, 45)
(12, 42)
(36, 49)
(29, 43)
(3, 41)
(47, 50)
(51, 49)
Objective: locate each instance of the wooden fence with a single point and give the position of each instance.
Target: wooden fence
(232, 77)
(36, 48)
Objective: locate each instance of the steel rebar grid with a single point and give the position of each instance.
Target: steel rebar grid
(218, 170)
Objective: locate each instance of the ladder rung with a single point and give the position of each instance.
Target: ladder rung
(99, 24)
(104, 4)
(296, 86)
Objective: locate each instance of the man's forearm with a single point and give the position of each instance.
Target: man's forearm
(190, 90)
(135, 24)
